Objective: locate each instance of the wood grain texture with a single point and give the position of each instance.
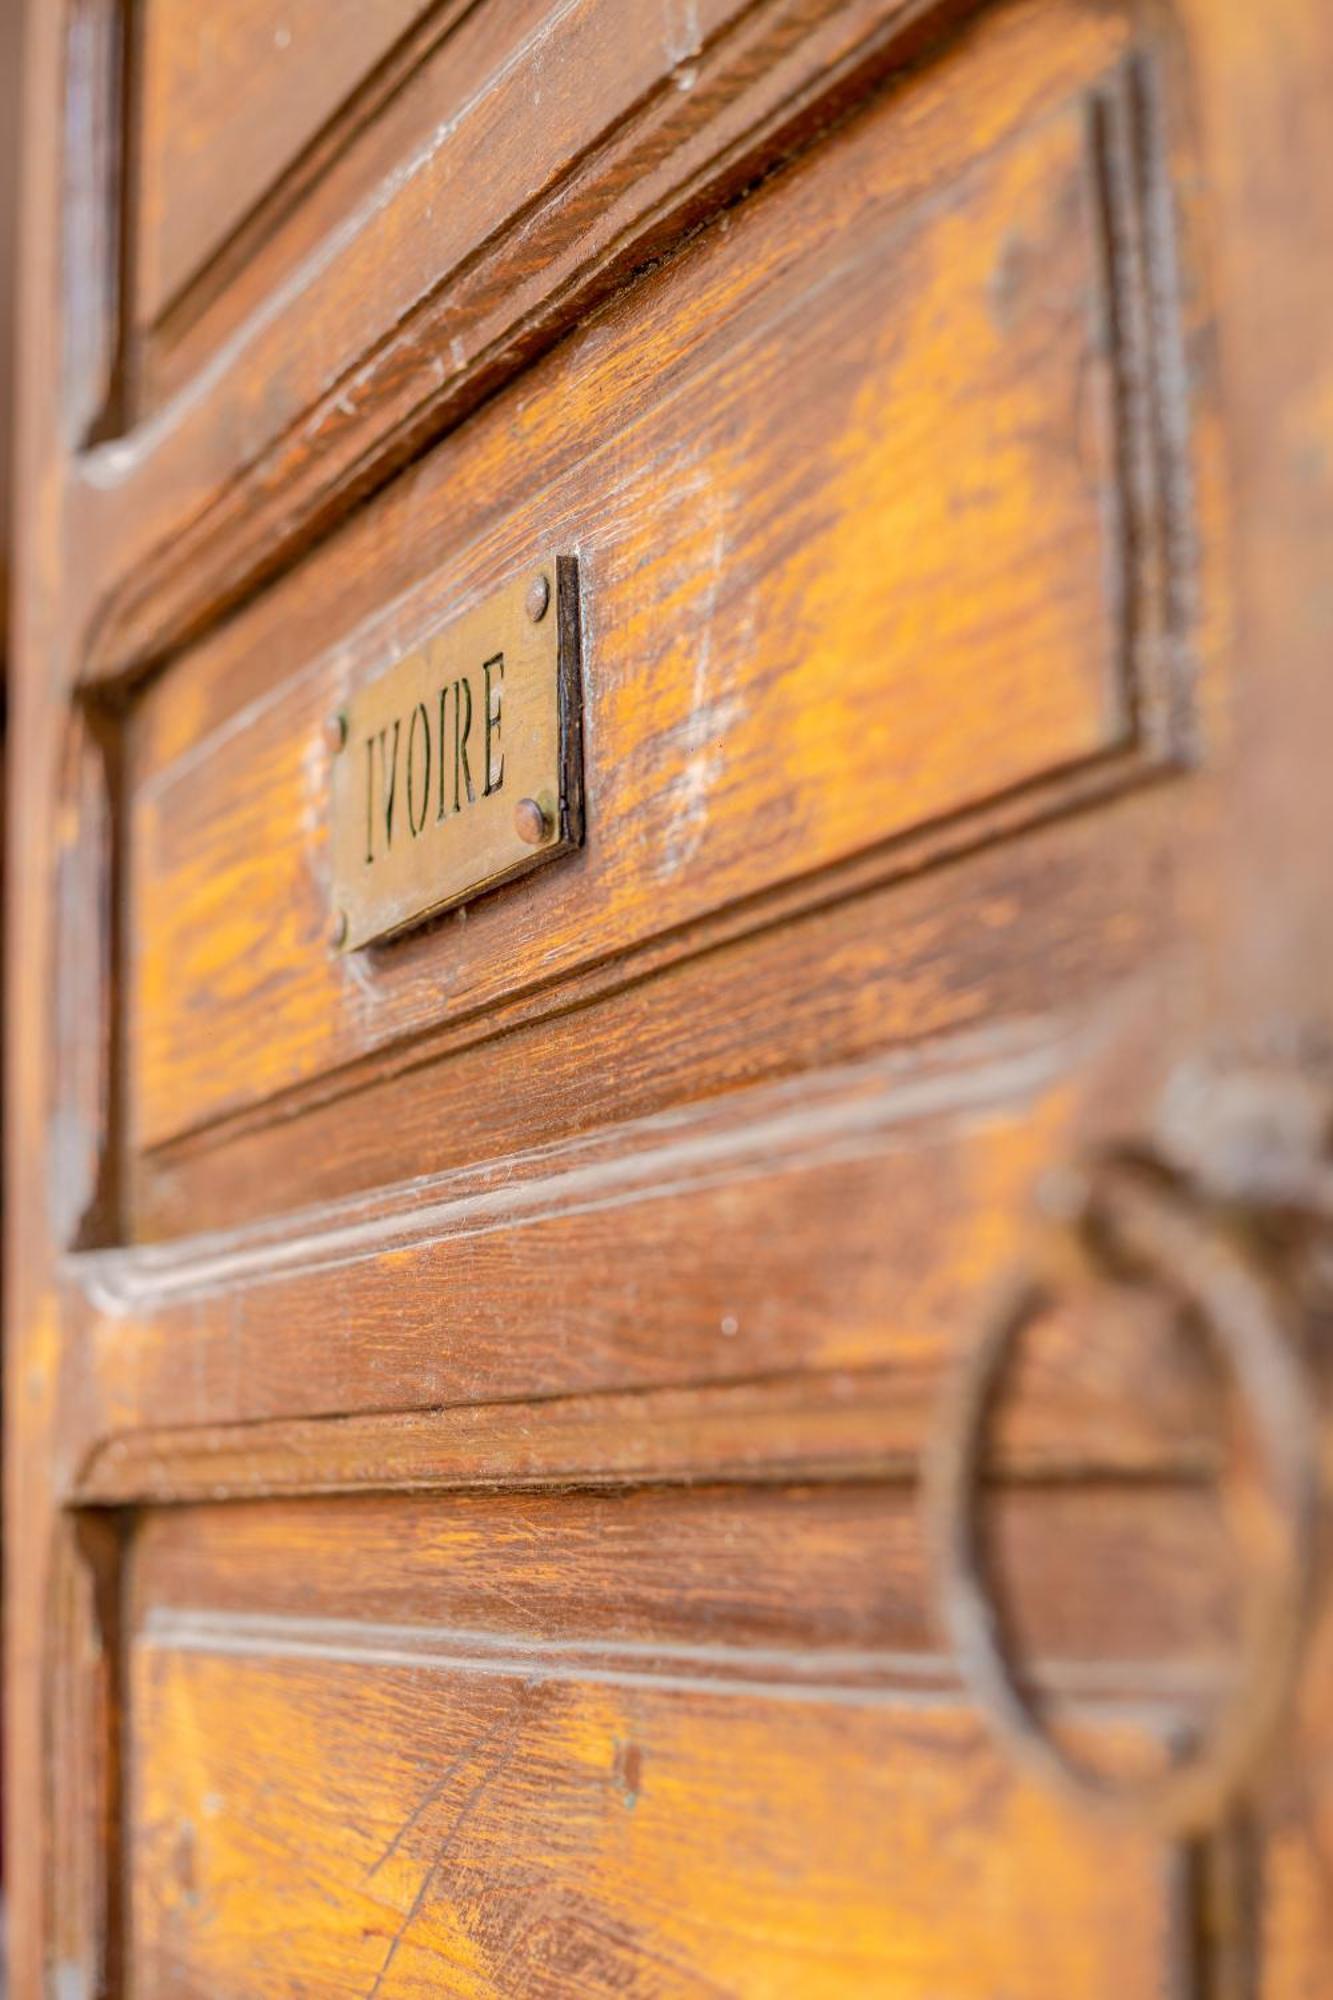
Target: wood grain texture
(797, 649)
(42, 1921)
(447, 59)
(553, 1375)
(254, 81)
(866, 1424)
(979, 929)
(666, 1843)
(11, 70)
(272, 443)
(93, 248)
(1281, 1875)
(1280, 457)
(838, 1225)
(464, 1778)
(799, 1581)
(804, 1633)
(81, 1743)
(83, 1195)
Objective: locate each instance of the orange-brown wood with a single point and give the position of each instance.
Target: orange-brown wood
(468, 1400)
(445, 261)
(253, 83)
(841, 1229)
(795, 651)
(11, 69)
(683, 1888)
(971, 930)
(827, 1576)
(453, 54)
(614, 1791)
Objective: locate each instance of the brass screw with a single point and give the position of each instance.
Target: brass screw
(538, 598)
(335, 732)
(338, 930)
(531, 823)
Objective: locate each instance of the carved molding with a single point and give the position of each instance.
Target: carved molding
(774, 70)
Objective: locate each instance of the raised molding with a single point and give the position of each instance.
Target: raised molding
(718, 115)
(861, 1424)
(803, 1121)
(1150, 539)
(736, 1410)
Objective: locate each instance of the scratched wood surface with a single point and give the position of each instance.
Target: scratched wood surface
(832, 1575)
(438, 87)
(795, 651)
(846, 1225)
(467, 1404)
(647, 1787)
(442, 262)
(668, 1840)
(1073, 922)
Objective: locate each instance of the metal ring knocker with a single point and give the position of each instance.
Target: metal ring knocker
(1152, 1230)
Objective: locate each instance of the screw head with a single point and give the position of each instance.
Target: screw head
(335, 732)
(531, 822)
(338, 930)
(538, 598)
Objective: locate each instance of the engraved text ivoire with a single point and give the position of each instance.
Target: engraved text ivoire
(458, 766)
(427, 758)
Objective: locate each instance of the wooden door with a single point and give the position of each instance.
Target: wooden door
(740, 1412)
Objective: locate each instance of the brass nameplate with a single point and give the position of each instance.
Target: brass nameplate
(460, 767)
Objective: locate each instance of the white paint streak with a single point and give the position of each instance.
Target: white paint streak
(683, 33)
(704, 731)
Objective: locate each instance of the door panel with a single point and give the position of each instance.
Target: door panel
(384, 1741)
(798, 649)
(661, 1432)
(634, 1838)
(843, 1226)
(465, 224)
(244, 82)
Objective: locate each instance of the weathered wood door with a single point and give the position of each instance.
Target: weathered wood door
(508, 1474)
